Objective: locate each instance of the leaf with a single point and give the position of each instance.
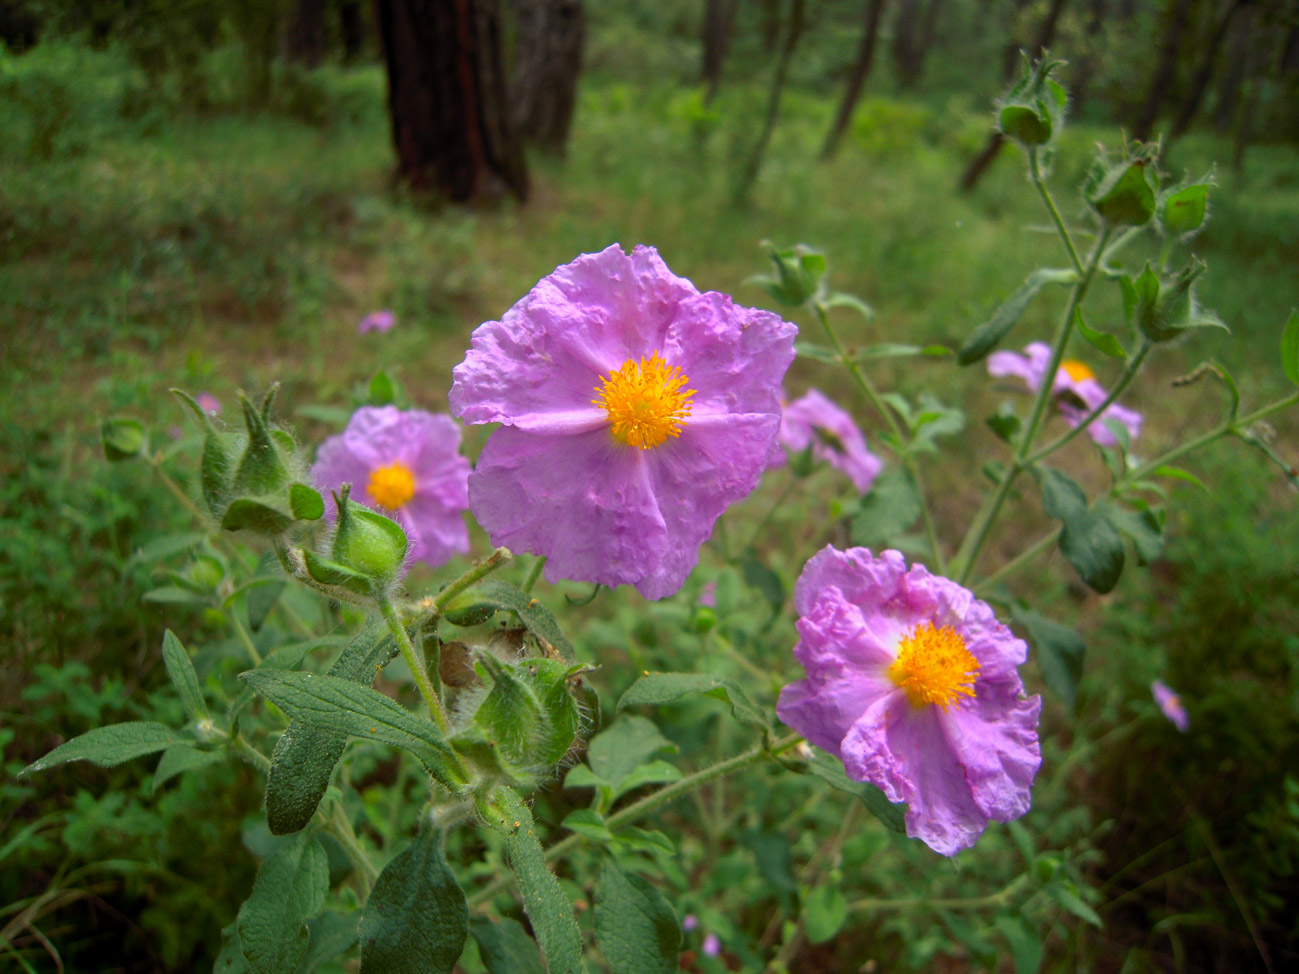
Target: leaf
(306, 503)
(888, 510)
(1059, 651)
(830, 770)
(382, 391)
(123, 439)
(494, 596)
(989, 334)
(111, 746)
(636, 928)
(1004, 423)
(231, 958)
(1088, 541)
(1184, 210)
(820, 353)
(256, 516)
(1072, 902)
(656, 689)
(504, 946)
(349, 708)
(1102, 341)
(589, 823)
(1177, 473)
(840, 300)
(824, 912)
(1025, 945)
(416, 918)
(1142, 527)
(262, 597)
(544, 900)
(290, 887)
(331, 934)
(178, 759)
(627, 743)
(175, 595)
(1290, 348)
(181, 671)
(649, 773)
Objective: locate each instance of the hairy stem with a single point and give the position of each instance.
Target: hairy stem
(414, 662)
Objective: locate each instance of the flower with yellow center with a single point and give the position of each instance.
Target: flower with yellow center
(1078, 371)
(391, 486)
(934, 666)
(647, 402)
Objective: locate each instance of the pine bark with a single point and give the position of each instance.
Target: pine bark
(719, 22)
(548, 61)
(448, 99)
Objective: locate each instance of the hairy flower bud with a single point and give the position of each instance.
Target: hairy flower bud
(1032, 111)
(367, 552)
(1123, 193)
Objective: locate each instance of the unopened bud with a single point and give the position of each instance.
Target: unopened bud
(1123, 193)
(1032, 111)
(367, 551)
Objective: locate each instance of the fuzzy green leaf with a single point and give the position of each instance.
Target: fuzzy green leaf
(181, 671)
(635, 926)
(989, 334)
(1102, 341)
(479, 603)
(824, 912)
(888, 510)
(416, 918)
(830, 770)
(111, 746)
(1059, 651)
(306, 503)
(505, 947)
(655, 689)
(290, 887)
(625, 745)
(178, 759)
(1089, 542)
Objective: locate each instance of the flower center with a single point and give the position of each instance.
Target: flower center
(391, 486)
(934, 666)
(646, 402)
(1077, 370)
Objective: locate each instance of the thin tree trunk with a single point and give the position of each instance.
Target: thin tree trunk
(351, 29)
(306, 33)
(1173, 26)
(1086, 68)
(861, 70)
(1204, 73)
(719, 22)
(1229, 88)
(447, 98)
(750, 171)
(548, 61)
(905, 60)
(979, 165)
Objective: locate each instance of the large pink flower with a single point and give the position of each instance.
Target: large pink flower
(818, 422)
(635, 410)
(1075, 387)
(407, 464)
(912, 682)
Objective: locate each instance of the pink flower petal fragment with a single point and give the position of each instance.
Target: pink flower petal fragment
(913, 684)
(635, 410)
(406, 464)
(816, 421)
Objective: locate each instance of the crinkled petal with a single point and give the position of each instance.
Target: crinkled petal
(436, 532)
(1030, 366)
(582, 501)
(867, 750)
(816, 421)
(994, 738)
(863, 578)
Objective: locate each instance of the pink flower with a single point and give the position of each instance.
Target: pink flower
(209, 403)
(912, 682)
(818, 422)
(712, 944)
(635, 410)
(380, 321)
(1171, 704)
(407, 465)
(1076, 389)
(689, 922)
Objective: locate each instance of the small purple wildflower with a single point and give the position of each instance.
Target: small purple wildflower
(209, 403)
(689, 922)
(380, 321)
(712, 944)
(818, 422)
(1171, 704)
(635, 410)
(406, 464)
(1074, 384)
(708, 594)
(913, 683)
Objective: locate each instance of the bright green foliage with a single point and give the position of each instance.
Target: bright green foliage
(366, 553)
(888, 510)
(416, 918)
(635, 927)
(799, 278)
(306, 503)
(290, 887)
(654, 689)
(111, 745)
(1182, 210)
(183, 677)
(1122, 193)
(985, 338)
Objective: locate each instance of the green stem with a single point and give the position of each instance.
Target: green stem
(434, 604)
(244, 638)
(1000, 898)
(414, 662)
(654, 800)
(250, 754)
(1128, 374)
(968, 554)
(908, 459)
(341, 828)
(1019, 561)
(534, 573)
(1035, 173)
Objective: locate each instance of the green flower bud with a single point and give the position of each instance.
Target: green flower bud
(1182, 209)
(1164, 309)
(123, 439)
(1123, 193)
(265, 465)
(800, 274)
(1033, 110)
(367, 551)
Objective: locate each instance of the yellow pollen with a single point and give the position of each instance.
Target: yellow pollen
(646, 403)
(391, 486)
(934, 666)
(1077, 370)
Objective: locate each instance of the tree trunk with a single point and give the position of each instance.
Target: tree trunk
(305, 41)
(447, 99)
(351, 29)
(1237, 71)
(979, 165)
(750, 171)
(719, 21)
(1086, 65)
(548, 60)
(861, 70)
(1204, 73)
(906, 61)
(1173, 25)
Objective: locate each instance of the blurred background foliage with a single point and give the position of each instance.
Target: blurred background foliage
(203, 193)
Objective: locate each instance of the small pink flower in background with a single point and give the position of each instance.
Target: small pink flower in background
(635, 410)
(816, 421)
(712, 944)
(708, 594)
(209, 403)
(406, 464)
(1074, 383)
(689, 922)
(380, 321)
(1171, 704)
(913, 683)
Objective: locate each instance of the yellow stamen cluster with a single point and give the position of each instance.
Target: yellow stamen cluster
(1078, 371)
(391, 486)
(646, 402)
(934, 666)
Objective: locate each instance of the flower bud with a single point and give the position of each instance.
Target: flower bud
(265, 465)
(1182, 209)
(800, 274)
(367, 551)
(1165, 309)
(123, 439)
(1033, 110)
(1123, 193)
